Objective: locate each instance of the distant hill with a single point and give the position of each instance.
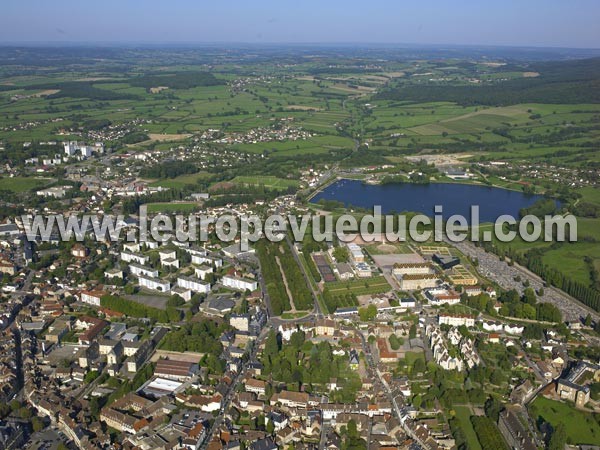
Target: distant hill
(182, 80)
(559, 82)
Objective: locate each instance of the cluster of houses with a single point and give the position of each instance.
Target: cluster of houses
(451, 351)
(281, 131)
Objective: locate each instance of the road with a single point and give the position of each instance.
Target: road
(397, 408)
(317, 308)
(232, 387)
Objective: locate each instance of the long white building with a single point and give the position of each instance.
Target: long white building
(456, 320)
(209, 260)
(193, 284)
(239, 283)
(139, 270)
(134, 257)
(155, 284)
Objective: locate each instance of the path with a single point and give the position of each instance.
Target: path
(287, 289)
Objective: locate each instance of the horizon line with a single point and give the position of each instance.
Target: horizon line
(408, 45)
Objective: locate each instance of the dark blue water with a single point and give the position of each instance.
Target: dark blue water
(422, 198)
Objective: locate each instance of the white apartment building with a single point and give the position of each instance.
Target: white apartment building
(239, 283)
(412, 268)
(456, 320)
(155, 284)
(193, 284)
(134, 257)
(139, 270)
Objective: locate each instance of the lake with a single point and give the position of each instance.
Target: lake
(422, 198)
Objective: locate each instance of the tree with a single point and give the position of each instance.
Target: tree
(367, 314)
(37, 424)
(341, 254)
(541, 292)
(4, 410)
(492, 408)
(588, 320)
(270, 427)
(529, 296)
(297, 339)
(496, 377)
(91, 376)
(419, 365)
(412, 332)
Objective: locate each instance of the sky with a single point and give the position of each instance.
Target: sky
(535, 23)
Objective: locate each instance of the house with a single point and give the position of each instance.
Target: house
(290, 399)
(325, 327)
(94, 328)
(92, 297)
(79, 251)
(264, 444)
(514, 329)
(353, 359)
(206, 403)
(240, 322)
(442, 296)
(256, 386)
(118, 420)
(113, 273)
(279, 420)
(7, 268)
(356, 253)
(286, 330)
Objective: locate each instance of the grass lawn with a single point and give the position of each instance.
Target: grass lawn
(463, 414)
(411, 357)
(296, 315)
(270, 182)
(182, 180)
(581, 426)
(22, 184)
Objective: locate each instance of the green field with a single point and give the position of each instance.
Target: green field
(463, 414)
(581, 427)
(23, 184)
(268, 182)
(182, 180)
